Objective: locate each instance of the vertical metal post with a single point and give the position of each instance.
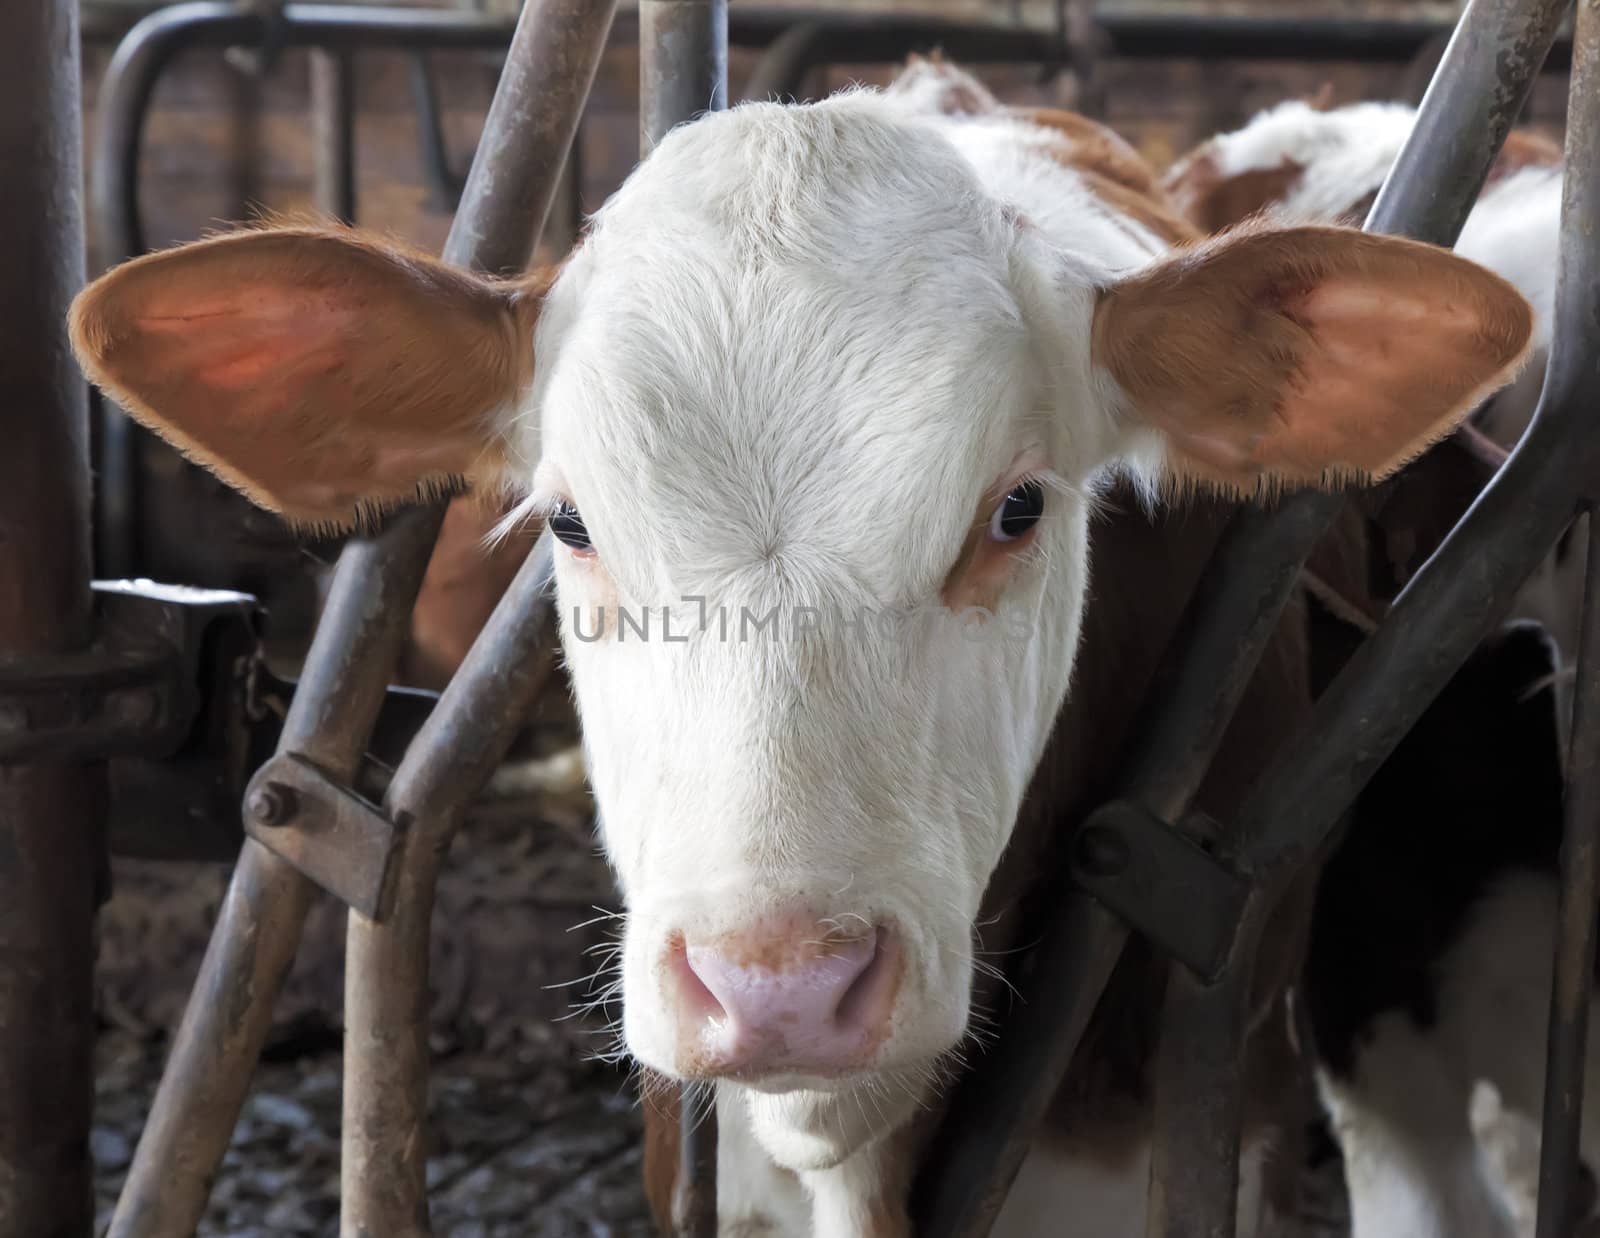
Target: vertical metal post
(333, 107)
(552, 60)
(1578, 321)
(513, 180)
(1483, 80)
(683, 64)
(258, 928)
(1573, 987)
(51, 816)
(683, 73)
(383, 1167)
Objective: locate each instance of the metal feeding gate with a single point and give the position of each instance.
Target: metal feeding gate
(307, 826)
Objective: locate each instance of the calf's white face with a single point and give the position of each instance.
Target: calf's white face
(819, 412)
(792, 381)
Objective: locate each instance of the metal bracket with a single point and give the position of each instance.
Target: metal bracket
(340, 841)
(1163, 882)
(258, 61)
(133, 693)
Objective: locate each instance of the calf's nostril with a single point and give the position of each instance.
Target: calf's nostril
(694, 997)
(870, 996)
(784, 999)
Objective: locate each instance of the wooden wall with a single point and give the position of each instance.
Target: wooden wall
(222, 144)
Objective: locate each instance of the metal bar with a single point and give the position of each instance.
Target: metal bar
(1483, 81)
(382, 1171)
(694, 1187)
(1156, 32)
(259, 925)
(537, 106)
(683, 64)
(333, 107)
(150, 46)
(432, 148)
(997, 1106)
(1573, 987)
(125, 92)
(781, 72)
(1194, 1182)
(565, 225)
(513, 180)
(1450, 604)
(337, 700)
(51, 816)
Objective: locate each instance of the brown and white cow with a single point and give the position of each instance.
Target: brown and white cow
(828, 409)
(1430, 960)
(1298, 163)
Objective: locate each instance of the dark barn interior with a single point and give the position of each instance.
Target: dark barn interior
(191, 124)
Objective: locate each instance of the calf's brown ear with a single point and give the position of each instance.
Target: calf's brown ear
(322, 372)
(1307, 355)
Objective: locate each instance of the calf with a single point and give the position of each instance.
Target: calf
(825, 411)
(1430, 960)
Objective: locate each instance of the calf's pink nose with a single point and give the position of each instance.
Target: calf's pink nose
(759, 1004)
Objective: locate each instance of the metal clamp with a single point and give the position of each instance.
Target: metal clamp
(1163, 882)
(133, 693)
(339, 840)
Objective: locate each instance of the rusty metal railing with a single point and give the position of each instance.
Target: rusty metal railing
(51, 812)
(548, 71)
(1445, 611)
(1440, 617)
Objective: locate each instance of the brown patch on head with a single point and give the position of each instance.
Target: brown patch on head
(1147, 209)
(320, 370)
(1110, 169)
(1091, 147)
(1307, 355)
(1213, 202)
(1522, 149)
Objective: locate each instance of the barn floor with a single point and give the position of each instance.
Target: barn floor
(531, 1134)
(523, 1144)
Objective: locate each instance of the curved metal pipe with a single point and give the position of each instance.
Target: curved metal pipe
(117, 231)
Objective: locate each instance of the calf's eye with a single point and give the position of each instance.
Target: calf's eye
(1018, 512)
(568, 526)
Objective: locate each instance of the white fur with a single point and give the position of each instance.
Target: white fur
(755, 1198)
(796, 349)
(1345, 153)
(1414, 1162)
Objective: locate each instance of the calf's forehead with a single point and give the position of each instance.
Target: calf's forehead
(833, 392)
